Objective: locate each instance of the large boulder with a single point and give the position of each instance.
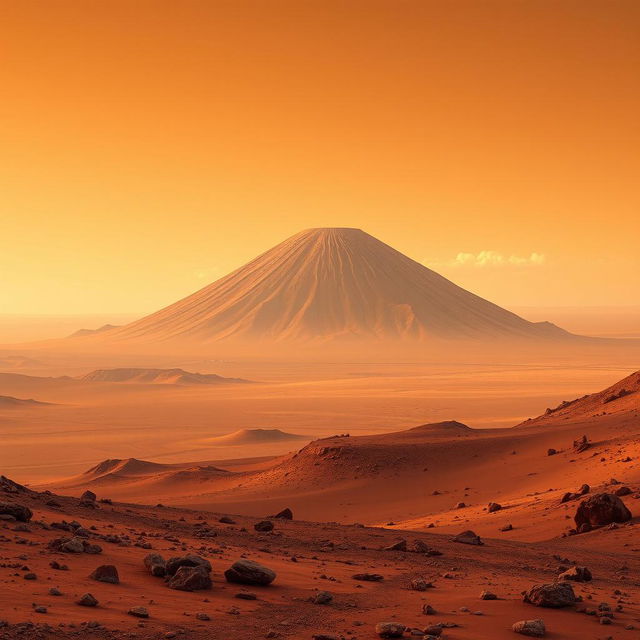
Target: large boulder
(249, 572)
(190, 579)
(601, 509)
(190, 560)
(553, 595)
(17, 511)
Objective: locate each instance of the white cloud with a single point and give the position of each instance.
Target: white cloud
(490, 258)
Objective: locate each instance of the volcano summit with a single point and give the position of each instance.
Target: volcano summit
(332, 284)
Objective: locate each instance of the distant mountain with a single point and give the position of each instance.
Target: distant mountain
(18, 362)
(80, 333)
(332, 284)
(157, 376)
(9, 402)
(256, 436)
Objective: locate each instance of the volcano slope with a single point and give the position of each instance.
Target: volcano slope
(329, 284)
(41, 585)
(439, 476)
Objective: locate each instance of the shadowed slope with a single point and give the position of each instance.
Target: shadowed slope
(621, 397)
(325, 284)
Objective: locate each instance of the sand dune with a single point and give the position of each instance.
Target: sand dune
(255, 436)
(331, 284)
(416, 477)
(157, 376)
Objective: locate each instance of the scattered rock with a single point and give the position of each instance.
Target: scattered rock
(552, 595)
(190, 579)
(249, 572)
(533, 628)
(285, 514)
(190, 560)
(263, 526)
(576, 574)
(17, 511)
(155, 564)
(582, 444)
(390, 629)
(401, 545)
(467, 537)
(322, 597)
(368, 577)
(106, 573)
(87, 600)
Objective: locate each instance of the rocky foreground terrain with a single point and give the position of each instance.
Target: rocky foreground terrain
(89, 568)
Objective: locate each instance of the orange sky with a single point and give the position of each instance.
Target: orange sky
(149, 147)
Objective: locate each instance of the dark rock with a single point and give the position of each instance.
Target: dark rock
(582, 444)
(368, 577)
(576, 574)
(263, 526)
(190, 560)
(322, 597)
(623, 491)
(285, 514)
(532, 628)
(401, 545)
(493, 507)
(584, 489)
(553, 595)
(155, 564)
(87, 600)
(138, 612)
(551, 452)
(601, 509)
(88, 496)
(390, 629)
(249, 572)
(467, 537)
(17, 511)
(106, 573)
(420, 584)
(190, 579)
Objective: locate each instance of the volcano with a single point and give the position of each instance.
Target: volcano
(332, 284)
